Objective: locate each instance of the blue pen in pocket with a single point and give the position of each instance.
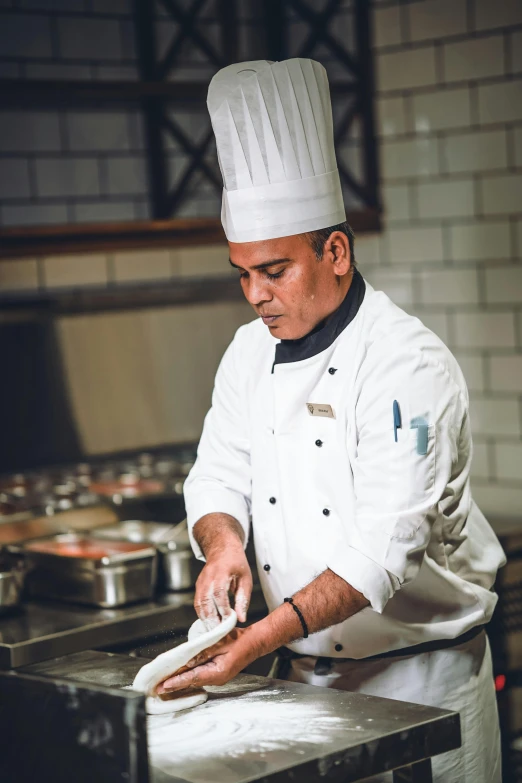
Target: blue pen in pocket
(397, 421)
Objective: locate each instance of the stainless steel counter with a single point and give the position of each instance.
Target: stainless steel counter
(43, 630)
(257, 729)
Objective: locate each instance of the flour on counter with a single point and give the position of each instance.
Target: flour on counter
(247, 727)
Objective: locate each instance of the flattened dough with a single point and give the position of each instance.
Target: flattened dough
(183, 700)
(168, 663)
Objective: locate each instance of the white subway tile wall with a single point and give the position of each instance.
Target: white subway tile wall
(495, 416)
(440, 110)
(437, 18)
(139, 266)
(483, 329)
(74, 271)
(516, 49)
(209, 261)
(490, 15)
(19, 275)
(369, 251)
(449, 123)
(415, 245)
(473, 367)
(474, 58)
(57, 177)
(446, 199)
(449, 108)
(387, 26)
(14, 178)
(503, 285)
(127, 175)
(89, 39)
(475, 241)
(500, 102)
(479, 151)
(506, 373)
(516, 134)
(33, 214)
(391, 116)
(451, 287)
(405, 159)
(508, 457)
(502, 193)
(396, 199)
(28, 36)
(404, 69)
(29, 131)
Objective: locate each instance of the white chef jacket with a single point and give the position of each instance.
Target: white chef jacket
(341, 493)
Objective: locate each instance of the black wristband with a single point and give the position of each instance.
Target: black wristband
(299, 614)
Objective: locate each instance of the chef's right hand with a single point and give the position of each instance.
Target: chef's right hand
(226, 571)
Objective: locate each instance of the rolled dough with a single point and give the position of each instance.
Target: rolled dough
(183, 700)
(168, 663)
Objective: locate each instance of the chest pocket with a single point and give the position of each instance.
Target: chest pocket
(411, 480)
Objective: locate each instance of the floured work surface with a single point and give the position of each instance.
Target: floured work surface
(255, 728)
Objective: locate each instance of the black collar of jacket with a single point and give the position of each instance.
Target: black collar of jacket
(325, 333)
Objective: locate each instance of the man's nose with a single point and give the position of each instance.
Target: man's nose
(256, 291)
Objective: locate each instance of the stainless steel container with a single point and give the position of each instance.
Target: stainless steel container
(80, 569)
(12, 574)
(178, 568)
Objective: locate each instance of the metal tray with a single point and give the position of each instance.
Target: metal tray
(138, 531)
(178, 568)
(80, 569)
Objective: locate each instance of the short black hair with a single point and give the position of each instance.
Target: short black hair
(317, 239)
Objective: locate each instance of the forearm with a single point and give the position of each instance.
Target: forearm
(216, 532)
(326, 601)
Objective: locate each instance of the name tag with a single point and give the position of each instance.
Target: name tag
(318, 409)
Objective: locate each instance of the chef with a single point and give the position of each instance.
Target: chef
(340, 429)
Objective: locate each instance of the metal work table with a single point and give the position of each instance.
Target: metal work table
(257, 729)
(43, 630)
(46, 629)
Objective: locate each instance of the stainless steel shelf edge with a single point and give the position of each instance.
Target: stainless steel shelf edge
(68, 629)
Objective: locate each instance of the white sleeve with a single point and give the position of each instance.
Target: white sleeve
(220, 480)
(398, 485)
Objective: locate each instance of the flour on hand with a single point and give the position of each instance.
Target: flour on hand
(168, 663)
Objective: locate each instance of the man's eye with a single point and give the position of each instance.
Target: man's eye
(274, 276)
(243, 275)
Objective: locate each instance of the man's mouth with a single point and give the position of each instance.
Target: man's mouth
(268, 320)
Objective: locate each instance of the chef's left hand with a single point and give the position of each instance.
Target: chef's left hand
(216, 665)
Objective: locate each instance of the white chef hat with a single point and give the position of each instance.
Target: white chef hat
(274, 134)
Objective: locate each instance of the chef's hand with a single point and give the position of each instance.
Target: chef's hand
(216, 665)
(226, 571)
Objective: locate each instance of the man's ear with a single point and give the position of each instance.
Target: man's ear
(337, 251)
